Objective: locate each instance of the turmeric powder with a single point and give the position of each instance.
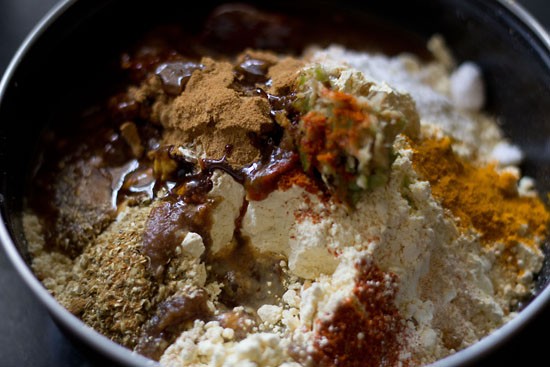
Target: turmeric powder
(481, 196)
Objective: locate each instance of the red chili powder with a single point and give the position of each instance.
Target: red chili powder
(365, 328)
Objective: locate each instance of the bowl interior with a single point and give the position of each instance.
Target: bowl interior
(72, 56)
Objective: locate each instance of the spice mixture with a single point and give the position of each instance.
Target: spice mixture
(332, 207)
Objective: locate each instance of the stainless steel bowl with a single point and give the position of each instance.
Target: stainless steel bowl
(70, 46)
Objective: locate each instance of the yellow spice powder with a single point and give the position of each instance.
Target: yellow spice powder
(480, 196)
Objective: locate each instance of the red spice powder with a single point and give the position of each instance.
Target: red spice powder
(301, 214)
(299, 178)
(331, 138)
(364, 330)
(313, 142)
(349, 123)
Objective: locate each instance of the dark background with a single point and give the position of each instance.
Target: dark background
(28, 336)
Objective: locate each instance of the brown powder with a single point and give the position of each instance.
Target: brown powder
(209, 112)
(112, 286)
(213, 112)
(283, 74)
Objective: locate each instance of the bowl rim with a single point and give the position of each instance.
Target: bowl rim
(108, 348)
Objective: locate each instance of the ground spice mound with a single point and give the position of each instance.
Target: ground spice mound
(364, 330)
(112, 286)
(283, 74)
(213, 114)
(481, 197)
(282, 71)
